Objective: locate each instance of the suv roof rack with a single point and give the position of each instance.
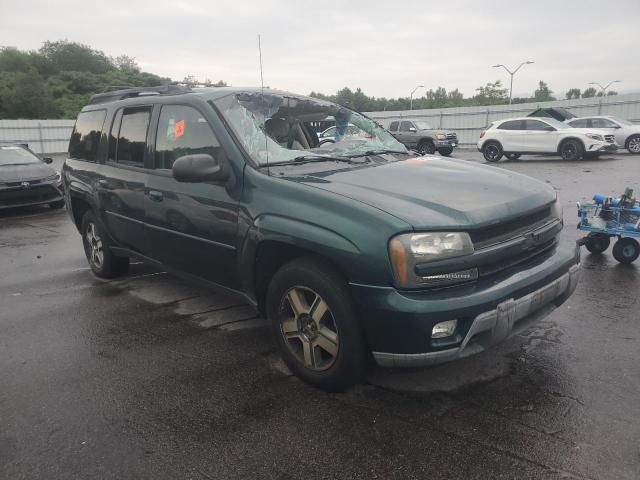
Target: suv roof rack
(121, 92)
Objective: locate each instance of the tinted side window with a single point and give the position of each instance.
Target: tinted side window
(182, 131)
(579, 123)
(511, 125)
(405, 126)
(394, 126)
(85, 138)
(129, 135)
(537, 125)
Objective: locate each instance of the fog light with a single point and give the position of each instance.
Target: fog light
(444, 329)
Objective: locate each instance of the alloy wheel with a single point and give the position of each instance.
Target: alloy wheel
(94, 244)
(569, 151)
(308, 328)
(492, 151)
(634, 145)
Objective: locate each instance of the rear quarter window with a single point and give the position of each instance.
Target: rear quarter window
(511, 125)
(85, 138)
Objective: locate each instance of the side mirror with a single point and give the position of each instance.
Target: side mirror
(549, 129)
(47, 160)
(616, 126)
(200, 167)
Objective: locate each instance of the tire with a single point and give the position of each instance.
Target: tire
(103, 262)
(492, 151)
(597, 243)
(426, 147)
(57, 205)
(325, 349)
(445, 152)
(571, 150)
(512, 156)
(633, 144)
(626, 250)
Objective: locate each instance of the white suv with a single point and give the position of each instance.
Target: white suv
(627, 134)
(514, 136)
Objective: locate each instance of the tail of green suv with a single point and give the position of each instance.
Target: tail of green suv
(356, 251)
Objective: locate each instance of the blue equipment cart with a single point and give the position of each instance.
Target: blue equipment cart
(607, 217)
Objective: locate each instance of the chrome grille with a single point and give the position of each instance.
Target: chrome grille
(452, 136)
(610, 138)
(504, 231)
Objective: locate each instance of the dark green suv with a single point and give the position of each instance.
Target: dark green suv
(354, 250)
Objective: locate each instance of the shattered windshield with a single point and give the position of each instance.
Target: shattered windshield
(279, 127)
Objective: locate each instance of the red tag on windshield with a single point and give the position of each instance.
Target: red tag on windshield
(179, 130)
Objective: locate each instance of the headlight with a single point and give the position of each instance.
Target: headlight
(411, 249)
(441, 136)
(595, 136)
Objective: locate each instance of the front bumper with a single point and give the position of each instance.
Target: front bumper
(398, 324)
(35, 194)
(602, 147)
(445, 144)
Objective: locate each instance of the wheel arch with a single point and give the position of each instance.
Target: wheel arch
(565, 140)
(491, 140)
(274, 241)
(633, 135)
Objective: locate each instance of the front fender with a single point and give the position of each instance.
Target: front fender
(299, 234)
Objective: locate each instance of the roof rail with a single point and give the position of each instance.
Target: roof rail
(121, 92)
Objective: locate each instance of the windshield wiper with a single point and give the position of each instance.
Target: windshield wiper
(312, 159)
(376, 152)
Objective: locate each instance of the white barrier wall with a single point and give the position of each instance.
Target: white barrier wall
(43, 136)
(468, 122)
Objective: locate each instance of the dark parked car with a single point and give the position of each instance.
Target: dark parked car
(354, 250)
(26, 180)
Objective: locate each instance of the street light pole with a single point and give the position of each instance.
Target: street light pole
(604, 89)
(604, 92)
(512, 74)
(411, 96)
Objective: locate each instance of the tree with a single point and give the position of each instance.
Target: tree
(73, 56)
(611, 92)
(543, 93)
(126, 63)
(57, 80)
(491, 94)
(589, 93)
(573, 93)
(25, 95)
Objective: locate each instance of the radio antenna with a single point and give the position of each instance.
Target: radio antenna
(266, 145)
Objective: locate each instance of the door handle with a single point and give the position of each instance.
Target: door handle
(155, 195)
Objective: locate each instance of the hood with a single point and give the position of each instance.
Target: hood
(432, 193)
(19, 173)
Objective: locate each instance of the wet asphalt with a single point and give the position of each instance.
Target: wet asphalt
(150, 377)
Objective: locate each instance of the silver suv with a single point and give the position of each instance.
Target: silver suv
(420, 136)
(627, 134)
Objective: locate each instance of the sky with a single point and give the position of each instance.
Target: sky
(386, 48)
